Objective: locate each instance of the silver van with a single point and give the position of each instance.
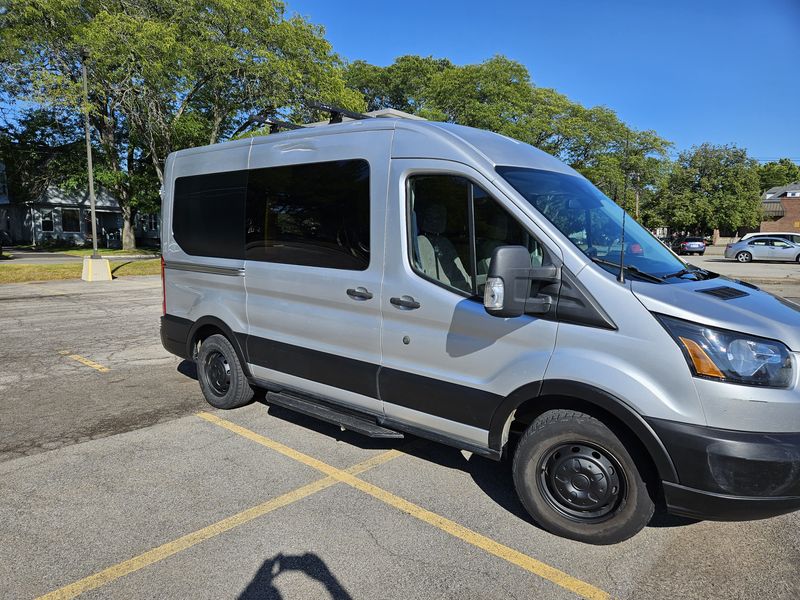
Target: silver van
(400, 276)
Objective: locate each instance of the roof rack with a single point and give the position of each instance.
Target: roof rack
(337, 112)
(261, 119)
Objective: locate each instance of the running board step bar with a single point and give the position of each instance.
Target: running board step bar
(332, 414)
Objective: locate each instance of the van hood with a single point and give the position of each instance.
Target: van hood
(725, 303)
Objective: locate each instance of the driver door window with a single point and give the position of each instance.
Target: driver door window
(454, 227)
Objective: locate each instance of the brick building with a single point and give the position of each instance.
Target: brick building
(782, 208)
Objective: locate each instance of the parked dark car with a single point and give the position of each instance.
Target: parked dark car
(689, 245)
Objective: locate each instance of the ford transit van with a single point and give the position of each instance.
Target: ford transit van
(399, 276)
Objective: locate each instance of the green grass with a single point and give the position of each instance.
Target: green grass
(73, 251)
(24, 273)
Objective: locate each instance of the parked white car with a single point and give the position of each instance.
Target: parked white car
(790, 236)
(763, 248)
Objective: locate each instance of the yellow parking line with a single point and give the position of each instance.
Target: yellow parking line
(85, 361)
(581, 588)
(187, 541)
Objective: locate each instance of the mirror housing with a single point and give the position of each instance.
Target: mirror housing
(508, 285)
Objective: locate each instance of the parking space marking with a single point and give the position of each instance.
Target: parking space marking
(85, 361)
(155, 555)
(543, 570)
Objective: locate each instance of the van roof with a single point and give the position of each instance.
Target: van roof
(421, 139)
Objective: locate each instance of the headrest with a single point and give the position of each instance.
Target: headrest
(434, 219)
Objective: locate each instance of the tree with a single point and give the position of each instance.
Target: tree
(402, 85)
(163, 74)
(781, 172)
(712, 187)
(498, 95)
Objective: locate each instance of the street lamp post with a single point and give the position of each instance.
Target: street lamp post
(84, 56)
(95, 268)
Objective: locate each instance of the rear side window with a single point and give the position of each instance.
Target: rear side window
(208, 214)
(315, 215)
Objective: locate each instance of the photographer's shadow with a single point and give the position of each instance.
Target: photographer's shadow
(262, 587)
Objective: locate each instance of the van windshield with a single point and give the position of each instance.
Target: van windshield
(592, 221)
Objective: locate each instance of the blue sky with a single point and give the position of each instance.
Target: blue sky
(723, 71)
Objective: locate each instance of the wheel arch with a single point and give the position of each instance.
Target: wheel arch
(531, 400)
(208, 326)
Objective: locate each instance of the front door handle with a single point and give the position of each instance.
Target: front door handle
(406, 302)
(359, 293)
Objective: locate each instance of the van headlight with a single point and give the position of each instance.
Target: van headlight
(731, 356)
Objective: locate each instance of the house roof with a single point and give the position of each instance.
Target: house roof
(56, 196)
(772, 194)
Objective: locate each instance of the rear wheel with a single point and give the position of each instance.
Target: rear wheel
(220, 374)
(744, 257)
(578, 480)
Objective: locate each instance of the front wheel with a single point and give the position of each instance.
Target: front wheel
(220, 374)
(744, 257)
(578, 480)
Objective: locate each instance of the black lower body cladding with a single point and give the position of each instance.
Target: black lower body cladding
(730, 475)
(175, 334)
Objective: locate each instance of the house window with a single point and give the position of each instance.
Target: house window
(70, 220)
(47, 219)
(3, 184)
(150, 222)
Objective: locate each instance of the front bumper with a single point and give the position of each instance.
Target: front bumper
(729, 475)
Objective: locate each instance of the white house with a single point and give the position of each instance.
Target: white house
(61, 217)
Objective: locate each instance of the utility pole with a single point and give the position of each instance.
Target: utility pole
(85, 56)
(95, 268)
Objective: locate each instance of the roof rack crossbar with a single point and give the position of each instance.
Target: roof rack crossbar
(276, 126)
(262, 119)
(337, 112)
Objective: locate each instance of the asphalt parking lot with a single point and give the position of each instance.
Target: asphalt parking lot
(118, 481)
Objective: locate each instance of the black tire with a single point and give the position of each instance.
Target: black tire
(220, 374)
(744, 257)
(566, 442)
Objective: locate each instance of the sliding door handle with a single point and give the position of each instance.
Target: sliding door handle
(359, 293)
(405, 302)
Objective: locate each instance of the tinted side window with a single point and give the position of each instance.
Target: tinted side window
(495, 227)
(439, 229)
(454, 227)
(313, 215)
(208, 214)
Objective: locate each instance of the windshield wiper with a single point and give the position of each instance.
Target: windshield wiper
(700, 274)
(629, 269)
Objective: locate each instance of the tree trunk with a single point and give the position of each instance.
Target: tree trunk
(128, 237)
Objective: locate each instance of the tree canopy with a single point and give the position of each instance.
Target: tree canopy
(712, 187)
(163, 75)
(498, 94)
(170, 74)
(778, 173)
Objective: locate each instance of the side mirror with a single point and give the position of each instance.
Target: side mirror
(508, 286)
